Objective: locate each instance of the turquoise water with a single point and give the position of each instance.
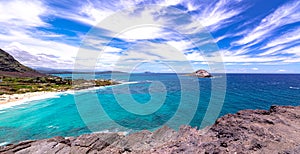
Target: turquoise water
(126, 107)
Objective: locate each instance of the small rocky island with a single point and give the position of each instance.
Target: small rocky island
(201, 74)
(249, 131)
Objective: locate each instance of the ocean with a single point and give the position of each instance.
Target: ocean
(145, 101)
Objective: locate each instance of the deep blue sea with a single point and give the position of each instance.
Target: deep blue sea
(145, 101)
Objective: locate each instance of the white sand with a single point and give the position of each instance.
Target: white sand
(7, 101)
(19, 97)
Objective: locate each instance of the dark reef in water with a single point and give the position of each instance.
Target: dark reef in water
(248, 131)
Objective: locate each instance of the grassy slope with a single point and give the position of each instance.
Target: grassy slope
(13, 85)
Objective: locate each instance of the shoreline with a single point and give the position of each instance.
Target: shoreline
(9, 100)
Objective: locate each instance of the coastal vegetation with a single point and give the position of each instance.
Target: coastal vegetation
(17, 85)
(15, 78)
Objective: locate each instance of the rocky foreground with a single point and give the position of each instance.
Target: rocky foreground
(248, 131)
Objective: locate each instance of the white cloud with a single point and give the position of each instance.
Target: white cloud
(33, 59)
(110, 49)
(272, 51)
(295, 51)
(281, 44)
(281, 49)
(191, 6)
(218, 15)
(254, 69)
(91, 15)
(281, 70)
(126, 20)
(181, 45)
(195, 56)
(19, 36)
(228, 57)
(22, 13)
(287, 38)
(152, 51)
(284, 15)
(170, 2)
(61, 53)
(142, 32)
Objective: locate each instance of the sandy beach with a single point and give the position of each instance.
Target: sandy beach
(5, 99)
(16, 99)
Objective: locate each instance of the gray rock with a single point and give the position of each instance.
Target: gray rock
(202, 74)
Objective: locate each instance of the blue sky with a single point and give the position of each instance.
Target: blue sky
(247, 36)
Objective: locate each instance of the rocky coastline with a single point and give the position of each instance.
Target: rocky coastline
(248, 131)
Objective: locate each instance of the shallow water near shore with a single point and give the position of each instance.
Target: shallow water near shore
(59, 115)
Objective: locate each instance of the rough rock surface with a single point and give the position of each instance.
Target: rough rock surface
(201, 74)
(248, 131)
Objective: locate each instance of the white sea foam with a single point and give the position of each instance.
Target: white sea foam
(131, 82)
(297, 88)
(3, 143)
(119, 132)
(51, 126)
(215, 77)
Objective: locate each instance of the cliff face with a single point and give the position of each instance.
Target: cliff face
(248, 131)
(11, 67)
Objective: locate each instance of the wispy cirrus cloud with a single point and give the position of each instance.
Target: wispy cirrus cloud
(219, 14)
(286, 14)
(287, 38)
(24, 14)
(89, 13)
(295, 55)
(37, 59)
(20, 35)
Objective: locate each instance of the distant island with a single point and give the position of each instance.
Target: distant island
(200, 74)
